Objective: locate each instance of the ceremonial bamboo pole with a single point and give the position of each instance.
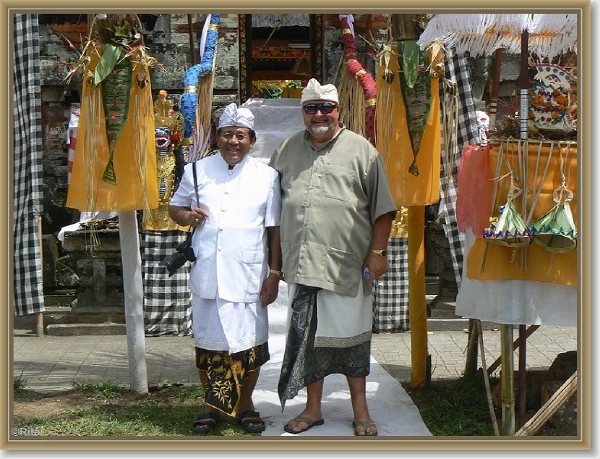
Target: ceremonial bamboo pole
(417, 307)
(497, 362)
(507, 380)
(524, 134)
(495, 88)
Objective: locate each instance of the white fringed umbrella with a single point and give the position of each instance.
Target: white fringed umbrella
(482, 34)
(546, 35)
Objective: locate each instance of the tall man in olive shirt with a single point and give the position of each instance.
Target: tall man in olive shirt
(337, 212)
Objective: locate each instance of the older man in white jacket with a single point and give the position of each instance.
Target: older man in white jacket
(235, 210)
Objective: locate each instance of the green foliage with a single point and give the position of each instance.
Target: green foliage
(19, 384)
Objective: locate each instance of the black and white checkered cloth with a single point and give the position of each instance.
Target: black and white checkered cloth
(28, 169)
(457, 72)
(167, 300)
(390, 291)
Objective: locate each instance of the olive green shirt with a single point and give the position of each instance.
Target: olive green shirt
(330, 200)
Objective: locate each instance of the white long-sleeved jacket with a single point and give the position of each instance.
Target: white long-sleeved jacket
(231, 246)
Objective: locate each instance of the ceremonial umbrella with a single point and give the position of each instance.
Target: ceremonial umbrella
(545, 35)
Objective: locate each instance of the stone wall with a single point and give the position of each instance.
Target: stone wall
(168, 41)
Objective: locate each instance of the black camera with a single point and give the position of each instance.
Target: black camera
(183, 253)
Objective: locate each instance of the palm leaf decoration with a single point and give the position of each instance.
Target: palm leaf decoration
(416, 93)
(115, 90)
(111, 54)
(410, 62)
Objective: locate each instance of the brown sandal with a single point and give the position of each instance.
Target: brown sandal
(310, 423)
(365, 425)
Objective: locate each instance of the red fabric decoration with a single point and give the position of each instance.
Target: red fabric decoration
(365, 79)
(474, 196)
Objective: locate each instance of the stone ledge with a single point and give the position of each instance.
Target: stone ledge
(85, 329)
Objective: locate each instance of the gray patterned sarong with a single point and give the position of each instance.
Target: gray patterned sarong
(303, 363)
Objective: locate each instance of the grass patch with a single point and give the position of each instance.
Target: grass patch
(449, 408)
(105, 389)
(454, 407)
(108, 409)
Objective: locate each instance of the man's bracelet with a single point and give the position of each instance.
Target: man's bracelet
(277, 273)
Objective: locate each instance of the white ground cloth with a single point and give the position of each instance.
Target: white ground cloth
(390, 406)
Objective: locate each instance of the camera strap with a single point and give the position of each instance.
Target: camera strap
(195, 183)
(194, 173)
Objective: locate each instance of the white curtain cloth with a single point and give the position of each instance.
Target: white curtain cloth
(516, 301)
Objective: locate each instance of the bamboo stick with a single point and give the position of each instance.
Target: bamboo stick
(486, 379)
(549, 408)
(507, 386)
(496, 363)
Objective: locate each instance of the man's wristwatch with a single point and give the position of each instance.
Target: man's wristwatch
(379, 252)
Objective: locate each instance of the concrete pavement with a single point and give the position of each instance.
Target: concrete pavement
(51, 363)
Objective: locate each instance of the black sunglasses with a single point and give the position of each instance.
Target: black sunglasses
(325, 108)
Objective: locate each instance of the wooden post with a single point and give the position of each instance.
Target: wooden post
(191, 36)
(522, 374)
(403, 26)
(133, 290)
(471, 357)
(417, 306)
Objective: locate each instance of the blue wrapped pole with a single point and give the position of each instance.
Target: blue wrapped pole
(189, 98)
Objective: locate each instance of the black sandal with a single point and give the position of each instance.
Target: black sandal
(250, 421)
(205, 422)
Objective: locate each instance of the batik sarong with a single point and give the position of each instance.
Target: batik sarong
(226, 372)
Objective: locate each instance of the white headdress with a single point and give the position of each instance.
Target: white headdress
(234, 116)
(314, 91)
